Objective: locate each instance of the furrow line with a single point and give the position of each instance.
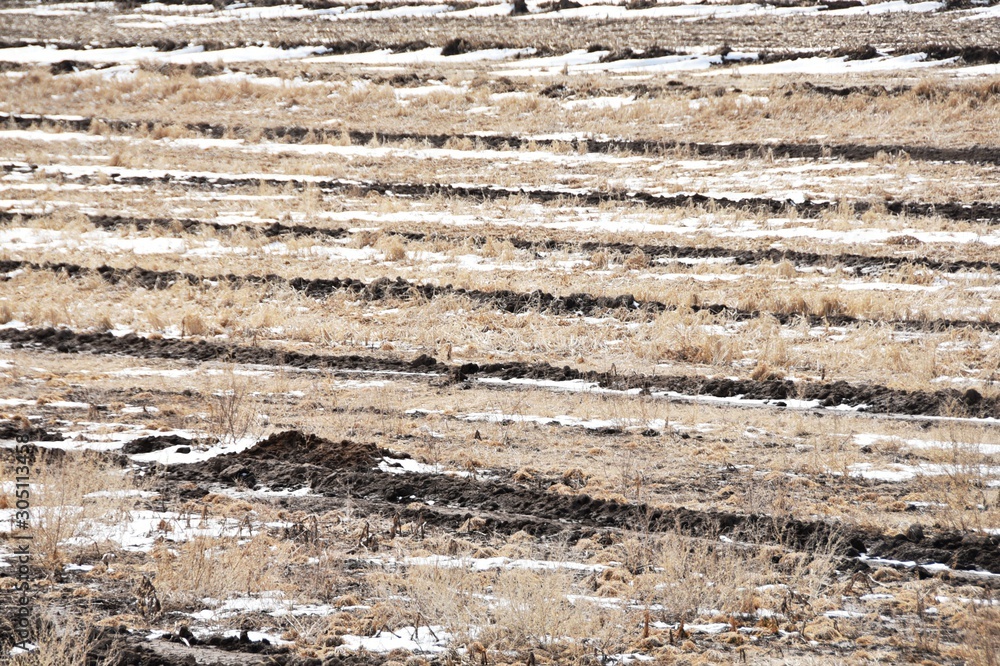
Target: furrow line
(859, 264)
(978, 212)
(734, 150)
(837, 396)
(505, 300)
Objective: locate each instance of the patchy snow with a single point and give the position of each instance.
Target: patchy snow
(272, 603)
(37, 54)
(841, 65)
(677, 11)
(582, 386)
(709, 628)
(868, 439)
(499, 9)
(418, 640)
(599, 103)
(53, 404)
(428, 55)
(899, 473)
(91, 436)
(410, 466)
(980, 13)
(358, 12)
(138, 529)
(862, 285)
(39, 135)
(571, 421)
(554, 64)
(173, 456)
(933, 567)
(25, 238)
(582, 62)
(488, 563)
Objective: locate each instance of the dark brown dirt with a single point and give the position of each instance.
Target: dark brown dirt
(866, 397)
(291, 459)
(348, 469)
(154, 443)
(14, 429)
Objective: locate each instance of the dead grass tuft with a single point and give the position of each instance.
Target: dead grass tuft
(392, 248)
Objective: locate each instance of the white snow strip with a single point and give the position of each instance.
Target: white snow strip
(868, 439)
(840, 65)
(139, 529)
(410, 466)
(898, 473)
(390, 12)
(488, 563)
(581, 386)
(935, 567)
(980, 13)
(428, 55)
(134, 54)
(418, 640)
(682, 11)
(891, 7)
(589, 424)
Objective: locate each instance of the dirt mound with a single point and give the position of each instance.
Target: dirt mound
(298, 447)
(288, 459)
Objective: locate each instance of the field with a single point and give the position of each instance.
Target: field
(469, 333)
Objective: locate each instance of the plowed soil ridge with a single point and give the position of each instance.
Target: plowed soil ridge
(864, 397)
(980, 212)
(859, 264)
(347, 468)
(297, 134)
(506, 300)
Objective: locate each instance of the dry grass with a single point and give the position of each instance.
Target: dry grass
(74, 499)
(585, 594)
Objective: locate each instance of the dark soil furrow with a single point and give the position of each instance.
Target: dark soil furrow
(298, 134)
(980, 212)
(346, 469)
(505, 300)
(859, 264)
(186, 225)
(864, 397)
